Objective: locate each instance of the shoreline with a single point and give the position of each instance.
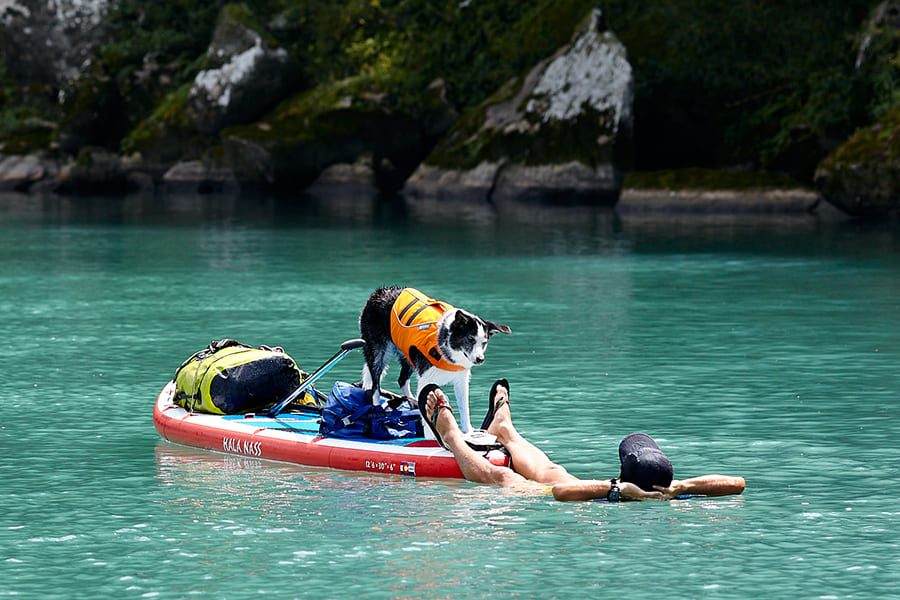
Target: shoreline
(633, 202)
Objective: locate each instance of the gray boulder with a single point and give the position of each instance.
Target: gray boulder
(562, 134)
(248, 74)
(19, 173)
(199, 177)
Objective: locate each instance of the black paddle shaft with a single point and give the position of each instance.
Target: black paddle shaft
(346, 348)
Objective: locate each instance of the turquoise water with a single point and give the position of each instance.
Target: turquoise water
(762, 347)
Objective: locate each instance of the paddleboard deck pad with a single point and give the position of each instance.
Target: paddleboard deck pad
(293, 437)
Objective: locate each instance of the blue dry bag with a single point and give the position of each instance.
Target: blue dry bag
(347, 414)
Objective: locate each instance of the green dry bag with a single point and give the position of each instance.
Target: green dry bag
(230, 378)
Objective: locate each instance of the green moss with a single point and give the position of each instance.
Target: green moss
(465, 146)
(707, 179)
(167, 134)
(333, 109)
(878, 143)
(170, 114)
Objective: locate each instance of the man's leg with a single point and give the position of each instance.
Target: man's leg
(527, 459)
(473, 466)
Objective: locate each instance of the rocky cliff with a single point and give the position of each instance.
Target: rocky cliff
(496, 100)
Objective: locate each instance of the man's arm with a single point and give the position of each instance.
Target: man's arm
(705, 485)
(595, 489)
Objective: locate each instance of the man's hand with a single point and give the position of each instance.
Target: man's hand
(632, 492)
(673, 490)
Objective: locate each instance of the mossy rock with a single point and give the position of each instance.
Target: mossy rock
(562, 131)
(236, 30)
(167, 135)
(331, 124)
(246, 73)
(522, 123)
(862, 177)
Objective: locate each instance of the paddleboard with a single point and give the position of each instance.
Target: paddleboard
(293, 437)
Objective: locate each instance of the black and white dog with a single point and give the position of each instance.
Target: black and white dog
(440, 342)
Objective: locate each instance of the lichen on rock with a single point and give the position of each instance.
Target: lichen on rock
(594, 72)
(246, 69)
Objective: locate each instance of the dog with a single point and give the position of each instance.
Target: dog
(440, 342)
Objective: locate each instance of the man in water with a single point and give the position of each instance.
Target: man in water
(646, 472)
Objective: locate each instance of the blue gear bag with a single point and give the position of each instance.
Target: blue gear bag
(347, 414)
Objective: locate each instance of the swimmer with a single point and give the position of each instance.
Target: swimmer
(646, 472)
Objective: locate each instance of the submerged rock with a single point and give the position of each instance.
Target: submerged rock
(563, 133)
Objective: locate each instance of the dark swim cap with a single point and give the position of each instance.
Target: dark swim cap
(643, 463)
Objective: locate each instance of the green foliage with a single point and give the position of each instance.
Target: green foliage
(173, 31)
(477, 48)
(25, 116)
(720, 83)
(402, 45)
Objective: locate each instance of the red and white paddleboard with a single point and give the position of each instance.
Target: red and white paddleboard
(294, 438)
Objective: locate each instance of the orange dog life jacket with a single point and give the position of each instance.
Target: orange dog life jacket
(414, 325)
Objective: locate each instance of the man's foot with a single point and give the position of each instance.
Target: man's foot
(431, 400)
(499, 411)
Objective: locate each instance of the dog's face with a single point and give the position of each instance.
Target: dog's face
(464, 337)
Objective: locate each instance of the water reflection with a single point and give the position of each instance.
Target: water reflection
(579, 229)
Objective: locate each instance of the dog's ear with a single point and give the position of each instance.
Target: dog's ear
(462, 322)
(491, 328)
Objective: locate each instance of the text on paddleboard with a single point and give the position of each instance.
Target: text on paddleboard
(236, 446)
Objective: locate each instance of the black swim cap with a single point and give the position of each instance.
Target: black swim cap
(643, 463)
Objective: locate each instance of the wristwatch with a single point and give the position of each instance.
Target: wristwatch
(614, 494)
